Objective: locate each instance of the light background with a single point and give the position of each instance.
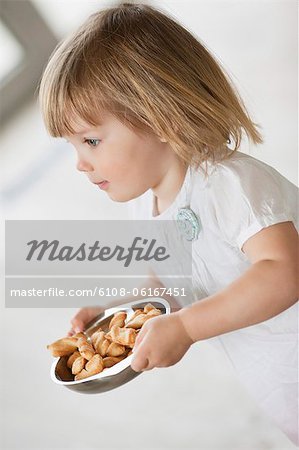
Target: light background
(198, 403)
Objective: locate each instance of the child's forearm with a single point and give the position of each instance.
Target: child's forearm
(266, 289)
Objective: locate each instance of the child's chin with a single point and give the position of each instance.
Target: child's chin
(122, 197)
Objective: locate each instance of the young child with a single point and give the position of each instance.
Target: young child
(154, 118)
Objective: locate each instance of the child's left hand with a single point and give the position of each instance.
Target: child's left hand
(162, 342)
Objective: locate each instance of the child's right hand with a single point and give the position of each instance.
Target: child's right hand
(82, 317)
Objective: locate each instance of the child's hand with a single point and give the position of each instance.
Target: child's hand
(162, 342)
(82, 317)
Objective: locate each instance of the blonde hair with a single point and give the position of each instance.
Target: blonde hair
(139, 64)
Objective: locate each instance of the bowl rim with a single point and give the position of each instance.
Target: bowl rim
(122, 365)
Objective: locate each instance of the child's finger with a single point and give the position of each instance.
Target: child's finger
(149, 366)
(141, 335)
(77, 325)
(139, 363)
(140, 360)
(138, 341)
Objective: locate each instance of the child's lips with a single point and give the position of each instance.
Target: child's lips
(103, 184)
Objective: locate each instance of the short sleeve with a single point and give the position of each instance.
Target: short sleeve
(246, 195)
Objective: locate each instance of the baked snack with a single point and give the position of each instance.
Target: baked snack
(79, 335)
(140, 317)
(138, 321)
(76, 362)
(123, 336)
(100, 343)
(90, 356)
(93, 367)
(110, 361)
(85, 348)
(118, 319)
(115, 349)
(148, 308)
(63, 347)
(72, 358)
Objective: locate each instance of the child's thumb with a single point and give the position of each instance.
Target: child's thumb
(138, 341)
(77, 325)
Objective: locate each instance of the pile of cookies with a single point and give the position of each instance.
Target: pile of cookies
(104, 349)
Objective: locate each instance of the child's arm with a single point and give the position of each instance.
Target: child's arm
(266, 289)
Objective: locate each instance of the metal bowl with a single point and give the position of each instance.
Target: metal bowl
(112, 377)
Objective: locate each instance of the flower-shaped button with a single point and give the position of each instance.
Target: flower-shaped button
(188, 223)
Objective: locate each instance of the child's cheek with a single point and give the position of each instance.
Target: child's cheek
(115, 164)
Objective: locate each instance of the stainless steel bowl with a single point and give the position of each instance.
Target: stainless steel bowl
(111, 377)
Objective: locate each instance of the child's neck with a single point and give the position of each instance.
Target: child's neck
(169, 186)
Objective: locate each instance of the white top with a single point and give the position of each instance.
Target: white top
(240, 196)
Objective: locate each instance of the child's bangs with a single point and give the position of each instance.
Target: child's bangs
(148, 84)
(68, 108)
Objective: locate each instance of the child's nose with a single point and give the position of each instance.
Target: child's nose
(84, 166)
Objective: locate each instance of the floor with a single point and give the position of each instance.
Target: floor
(196, 404)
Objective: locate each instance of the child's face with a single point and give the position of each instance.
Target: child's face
(130, 163)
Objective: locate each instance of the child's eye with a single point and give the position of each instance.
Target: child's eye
(92, 142)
